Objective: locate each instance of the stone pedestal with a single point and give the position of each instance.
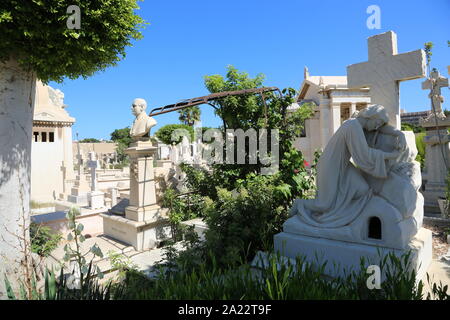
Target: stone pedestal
(437, 156)
(79, 192)
(343, 247)
(114, 194)
(145, 223)
(96, 199)
(342, 256)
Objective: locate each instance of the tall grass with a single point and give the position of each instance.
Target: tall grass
(279, 281)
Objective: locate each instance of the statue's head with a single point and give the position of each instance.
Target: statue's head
(375, 115)
(139, 105)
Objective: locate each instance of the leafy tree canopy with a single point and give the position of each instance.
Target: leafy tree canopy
(122, 136)
(123, 139)
(231, 109)
(165, 133)
(35, 32)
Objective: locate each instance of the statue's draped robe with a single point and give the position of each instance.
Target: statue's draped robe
(342, 192)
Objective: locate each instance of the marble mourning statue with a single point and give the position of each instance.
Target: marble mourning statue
(140, 131)
(366, 158)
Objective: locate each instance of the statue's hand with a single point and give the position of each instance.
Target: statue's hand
(392, 155)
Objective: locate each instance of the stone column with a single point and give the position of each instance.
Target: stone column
(68, 153)
(142, 182)
(144, 223)
(335, 117)
(352, 108)
(437, 156)
(324, 108)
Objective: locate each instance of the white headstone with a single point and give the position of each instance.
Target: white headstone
(114, 193)
(93, 164)
(384, 70)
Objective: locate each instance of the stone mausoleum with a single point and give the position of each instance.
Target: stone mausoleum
(51, 150)
(333, 103)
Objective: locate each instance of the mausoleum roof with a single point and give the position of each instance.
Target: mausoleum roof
(49, 105)
(328, 80)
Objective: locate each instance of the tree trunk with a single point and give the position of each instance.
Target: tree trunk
(17, 94)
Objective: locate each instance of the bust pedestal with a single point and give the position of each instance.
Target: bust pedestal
(144, 223)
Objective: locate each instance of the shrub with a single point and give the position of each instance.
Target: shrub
(165, 133)
(182, 207)
(420, 144)
(244, 220)
(43, 240)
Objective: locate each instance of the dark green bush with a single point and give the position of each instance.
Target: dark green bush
(43, 240)
(165, 133)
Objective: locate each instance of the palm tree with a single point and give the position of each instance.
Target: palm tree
(189, 115)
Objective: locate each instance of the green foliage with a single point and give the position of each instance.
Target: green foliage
(58, 288)
(122, 136)
(43, 241)
(35, 32)
(236, 111)
(165, 133)
(250, 112)
(189, 116)
(243, 208)
(50, 288)
(123, 139)
(427, 48)
(411, 127)
(280, 280)
(121, 263)
(182, 207)
(73, 252)
(38, 205)
(244, 220)
(420, 144)
(120, 165)
(89, 140)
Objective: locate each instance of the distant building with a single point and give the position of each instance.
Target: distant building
(51, 150)
(333, 103)
(413, 117)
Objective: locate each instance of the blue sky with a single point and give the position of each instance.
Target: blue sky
(187, 40)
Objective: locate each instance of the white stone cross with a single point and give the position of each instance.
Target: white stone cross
(384, 70)
(93, 164)
(434, 84)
